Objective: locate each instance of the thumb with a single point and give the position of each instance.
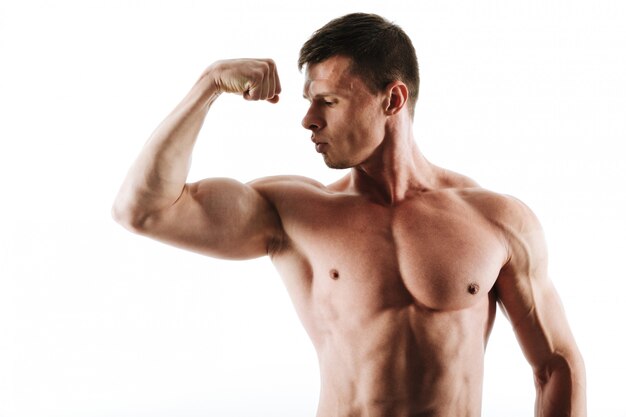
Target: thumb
(251, 91)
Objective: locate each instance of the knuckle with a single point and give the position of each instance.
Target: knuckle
(259, 72)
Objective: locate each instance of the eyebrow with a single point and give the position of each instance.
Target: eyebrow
(320, 95)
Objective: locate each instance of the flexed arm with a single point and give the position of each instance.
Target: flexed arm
(217, 217)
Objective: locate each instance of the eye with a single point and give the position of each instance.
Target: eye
(329, 103)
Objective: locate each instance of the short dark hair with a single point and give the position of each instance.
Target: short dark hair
(380, 50)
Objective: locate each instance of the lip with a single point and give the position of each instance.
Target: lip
(320, 146)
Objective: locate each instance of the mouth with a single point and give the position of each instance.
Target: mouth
(319, 145)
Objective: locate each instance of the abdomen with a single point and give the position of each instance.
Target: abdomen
(406, 362)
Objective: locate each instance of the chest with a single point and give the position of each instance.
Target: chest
(357, 256)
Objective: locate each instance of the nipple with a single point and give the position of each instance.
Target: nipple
(334, 274)
(473, 288)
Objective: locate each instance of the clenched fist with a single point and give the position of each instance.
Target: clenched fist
(255, 79)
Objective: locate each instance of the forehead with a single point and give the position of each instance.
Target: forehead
(332, 75)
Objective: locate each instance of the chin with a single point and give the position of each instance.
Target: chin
(336, 164)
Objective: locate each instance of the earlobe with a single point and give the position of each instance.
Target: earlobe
(396, 98)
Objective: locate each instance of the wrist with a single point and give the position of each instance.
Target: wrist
(207, 86)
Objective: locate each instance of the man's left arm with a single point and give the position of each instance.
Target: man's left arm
(534, 309)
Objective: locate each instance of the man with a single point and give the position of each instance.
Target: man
(395, 269)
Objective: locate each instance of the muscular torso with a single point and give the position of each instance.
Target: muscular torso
(396, 298)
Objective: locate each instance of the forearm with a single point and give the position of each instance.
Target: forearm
(156, 181)
(561, 389)
(158, 176)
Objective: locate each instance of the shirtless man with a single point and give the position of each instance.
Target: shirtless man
(395, 269)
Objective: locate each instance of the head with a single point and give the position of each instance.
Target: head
(380, 51)
(361, 72)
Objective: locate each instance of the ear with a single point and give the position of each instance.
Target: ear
(396, 96)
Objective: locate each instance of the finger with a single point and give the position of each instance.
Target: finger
(254, 87)
(250, 92)
(278, 89)
(272, 83)
(274, 96)
(266, 84)
(246, 91)
(275, 86)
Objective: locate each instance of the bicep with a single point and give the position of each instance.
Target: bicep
(218, 217)
(529, 297)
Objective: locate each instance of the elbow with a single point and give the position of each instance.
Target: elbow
(131, 219)
(561, 385)
(568, 365)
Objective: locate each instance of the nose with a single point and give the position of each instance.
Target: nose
(312, 121)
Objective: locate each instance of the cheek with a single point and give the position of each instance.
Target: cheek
(358, 126)
(359, 117)
(369, 125)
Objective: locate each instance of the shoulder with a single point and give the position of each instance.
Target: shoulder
(280, 184)
(451, 179)
(286, 192)
(505, 212)
(514, 221)
(502, 209)
(284, 180)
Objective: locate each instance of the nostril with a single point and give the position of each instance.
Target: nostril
(310, 120)
(307, 124)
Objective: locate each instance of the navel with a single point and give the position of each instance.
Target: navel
(473, 288)
(334, 274)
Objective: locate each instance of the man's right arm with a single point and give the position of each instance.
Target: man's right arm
(217, 217)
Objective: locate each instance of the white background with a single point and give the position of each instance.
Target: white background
(528, 98)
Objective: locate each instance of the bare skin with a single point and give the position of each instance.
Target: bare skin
(395, 270)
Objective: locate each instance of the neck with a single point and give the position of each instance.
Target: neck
(397, 169)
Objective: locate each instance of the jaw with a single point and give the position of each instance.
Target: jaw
(354, 153)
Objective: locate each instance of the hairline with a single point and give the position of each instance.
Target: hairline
(351, 69)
